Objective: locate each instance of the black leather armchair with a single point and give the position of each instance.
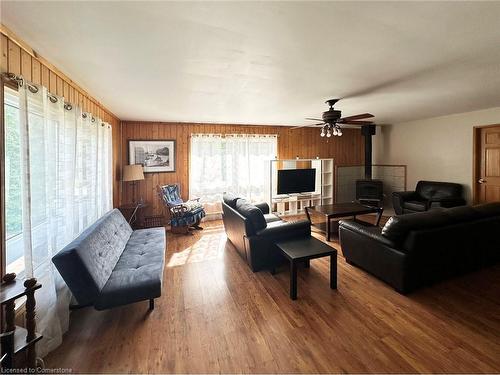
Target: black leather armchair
(427, 195)
(253, 231)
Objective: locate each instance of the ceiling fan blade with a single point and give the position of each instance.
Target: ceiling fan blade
(354, 122)
(306, 126)
(314, 119)
(344, 126)
(357, 117)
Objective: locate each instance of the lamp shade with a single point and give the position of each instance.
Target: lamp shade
(133, 172)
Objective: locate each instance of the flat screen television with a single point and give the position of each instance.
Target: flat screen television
(292, 181)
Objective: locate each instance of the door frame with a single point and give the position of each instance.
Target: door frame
(476, 158)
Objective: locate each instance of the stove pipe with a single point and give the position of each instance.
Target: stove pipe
(368, 131)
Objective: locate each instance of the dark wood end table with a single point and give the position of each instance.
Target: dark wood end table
(338, 210)
(134, 214)
(298, 250)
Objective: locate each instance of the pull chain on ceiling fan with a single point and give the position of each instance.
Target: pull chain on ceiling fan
(331, 121)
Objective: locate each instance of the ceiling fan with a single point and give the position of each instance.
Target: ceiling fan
(332, 121)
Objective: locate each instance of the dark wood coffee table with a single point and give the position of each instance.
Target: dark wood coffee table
(302, 250)
(338, 210)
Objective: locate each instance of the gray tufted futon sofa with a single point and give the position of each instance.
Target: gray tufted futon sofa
(110, 264)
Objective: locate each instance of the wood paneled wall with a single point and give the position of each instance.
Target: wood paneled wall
(18, 58)
(305, 143)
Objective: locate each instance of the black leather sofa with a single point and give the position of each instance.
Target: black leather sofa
(427, 195)
(253, 231)
(421, 248)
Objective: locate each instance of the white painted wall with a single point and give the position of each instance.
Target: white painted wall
(436, 149)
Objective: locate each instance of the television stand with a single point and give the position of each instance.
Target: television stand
(302, 194)
(295, 203)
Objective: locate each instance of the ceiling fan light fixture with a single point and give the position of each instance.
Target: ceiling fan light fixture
(332, 120)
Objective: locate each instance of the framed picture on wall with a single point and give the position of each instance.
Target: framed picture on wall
(155, 156)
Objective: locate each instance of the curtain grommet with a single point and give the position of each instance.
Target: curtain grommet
(32, 88)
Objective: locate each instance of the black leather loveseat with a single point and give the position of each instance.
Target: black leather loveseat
(417, 249)
(427, 195)
(253, 231)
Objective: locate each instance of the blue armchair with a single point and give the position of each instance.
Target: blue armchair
(183, 215)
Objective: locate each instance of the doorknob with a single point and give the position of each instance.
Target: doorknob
(481, 181)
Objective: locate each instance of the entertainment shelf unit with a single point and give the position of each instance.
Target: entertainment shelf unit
(294, 204)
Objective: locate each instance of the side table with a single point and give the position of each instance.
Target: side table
(298, 250)
(134, 214)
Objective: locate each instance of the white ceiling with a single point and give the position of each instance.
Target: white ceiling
(271, 62)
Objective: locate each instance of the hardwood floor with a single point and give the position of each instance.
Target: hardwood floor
(217, 316)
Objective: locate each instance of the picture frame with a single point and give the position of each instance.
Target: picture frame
(155, 156)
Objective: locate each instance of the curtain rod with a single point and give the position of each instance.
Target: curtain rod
(20, 81)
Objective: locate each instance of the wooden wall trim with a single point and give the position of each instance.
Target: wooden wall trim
(19, 58)
(33, 66)
(304, 142)
(10, 34)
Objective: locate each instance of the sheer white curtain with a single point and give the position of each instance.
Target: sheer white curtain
(66, 185)
(236, 163)
(93, 173)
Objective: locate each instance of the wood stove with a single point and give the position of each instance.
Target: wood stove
(369, 191)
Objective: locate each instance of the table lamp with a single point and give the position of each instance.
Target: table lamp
(133, 173)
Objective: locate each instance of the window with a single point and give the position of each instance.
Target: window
(234, 163)
(13, 193)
